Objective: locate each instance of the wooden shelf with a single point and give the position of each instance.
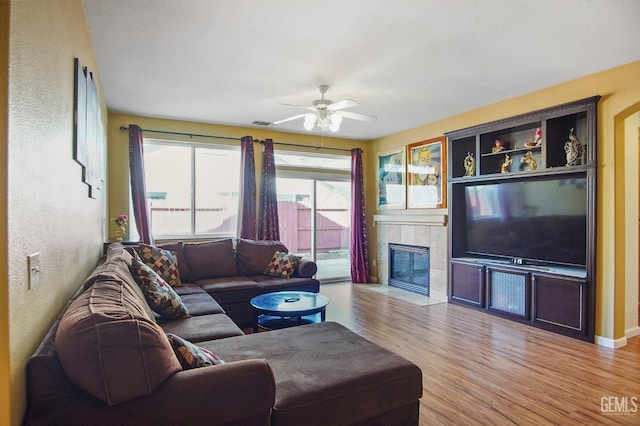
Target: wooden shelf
(512, 151)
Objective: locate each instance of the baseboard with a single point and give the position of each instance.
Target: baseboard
(610, 343)
(632, 332)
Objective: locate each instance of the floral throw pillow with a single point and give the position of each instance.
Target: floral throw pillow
(282, 265)
(190, 355)
(161, 298)
(163, 262)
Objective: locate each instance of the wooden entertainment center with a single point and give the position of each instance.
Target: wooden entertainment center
(522, 211)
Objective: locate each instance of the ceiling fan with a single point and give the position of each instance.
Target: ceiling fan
(326, 114)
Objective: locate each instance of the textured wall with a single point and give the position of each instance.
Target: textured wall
(48, 208)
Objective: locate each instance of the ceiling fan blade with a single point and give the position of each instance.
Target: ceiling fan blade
(297, 106)
(295, 117)
(356, 116)
(347, 103)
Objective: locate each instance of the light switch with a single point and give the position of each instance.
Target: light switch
(34, 269)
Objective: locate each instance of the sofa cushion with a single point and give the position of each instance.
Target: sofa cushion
(158, 294)
(109, 347)
(282, 265)
(269, 284)
(253, 256)
(190, 355)
(210, 260)
(203, 327)
(201, 304)
(163, 262)
(230, 289)
(188, 288)
(183, 267)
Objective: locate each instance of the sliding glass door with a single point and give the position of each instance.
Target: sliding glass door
(315, 221)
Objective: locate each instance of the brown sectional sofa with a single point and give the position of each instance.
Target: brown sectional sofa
(234, 277)
(108, 361)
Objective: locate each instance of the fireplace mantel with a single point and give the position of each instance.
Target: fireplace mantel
(433, 217)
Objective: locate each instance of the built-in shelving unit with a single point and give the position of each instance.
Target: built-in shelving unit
(522, 218)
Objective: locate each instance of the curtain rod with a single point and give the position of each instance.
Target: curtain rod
(165, 132)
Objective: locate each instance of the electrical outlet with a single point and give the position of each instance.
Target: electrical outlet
(33, 262)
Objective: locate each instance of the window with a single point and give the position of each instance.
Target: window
(193, 190)
(313, 161)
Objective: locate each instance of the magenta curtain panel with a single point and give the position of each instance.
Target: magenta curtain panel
(138, 187)
(359, 242)
(269, 226)
(247, 213)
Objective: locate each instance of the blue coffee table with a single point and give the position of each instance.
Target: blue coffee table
(284, 309)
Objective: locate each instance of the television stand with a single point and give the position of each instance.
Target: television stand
(552, 298)
(525, 208)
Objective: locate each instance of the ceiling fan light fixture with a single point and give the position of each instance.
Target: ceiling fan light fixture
(309, 121)
(326, 114)
(334, 122)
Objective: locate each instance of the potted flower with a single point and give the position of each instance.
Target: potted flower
(121, 226)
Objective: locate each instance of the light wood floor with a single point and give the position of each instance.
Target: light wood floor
(481, 369)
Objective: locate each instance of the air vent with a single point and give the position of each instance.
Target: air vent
(262, 123)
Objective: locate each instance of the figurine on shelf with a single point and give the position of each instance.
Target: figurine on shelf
(573, 148)
(528, 163)
(505, 167)
(538, 139)
(469, 165)
(498, 146)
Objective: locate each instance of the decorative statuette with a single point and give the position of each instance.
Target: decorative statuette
(498, 146)
(538, 138)
(528, 163)
(469, 165)
(573, 148)
(506, 165)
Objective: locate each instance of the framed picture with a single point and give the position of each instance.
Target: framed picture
(426, 174)
(80, 113)
(392, 179)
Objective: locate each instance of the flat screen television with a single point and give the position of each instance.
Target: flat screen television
(538, 221)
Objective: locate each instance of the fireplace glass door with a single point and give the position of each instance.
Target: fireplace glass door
(409, 268)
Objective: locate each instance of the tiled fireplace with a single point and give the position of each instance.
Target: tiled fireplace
(419, 229)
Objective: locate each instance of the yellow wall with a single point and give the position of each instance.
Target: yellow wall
(631, 158)
(5, 375)
(48, 210)
(620, 90)
(119, 143)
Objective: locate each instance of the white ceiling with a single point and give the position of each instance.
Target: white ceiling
(408, 62)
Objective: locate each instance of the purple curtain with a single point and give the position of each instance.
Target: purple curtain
(138, 187)
(247, 208)
(359, 242)
(269, 227)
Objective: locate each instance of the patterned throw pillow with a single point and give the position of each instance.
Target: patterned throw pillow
(282, 265)
(160, 296)
(163, 262)
(190, 355)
